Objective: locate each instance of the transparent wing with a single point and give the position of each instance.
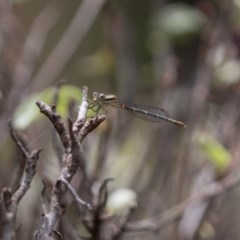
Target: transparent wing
(96, 109)
(149, 113)
(145, 112)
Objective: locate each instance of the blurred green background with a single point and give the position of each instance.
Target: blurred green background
(183, 56)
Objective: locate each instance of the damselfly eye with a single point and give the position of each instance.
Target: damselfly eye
(101, 96)
(95, 96)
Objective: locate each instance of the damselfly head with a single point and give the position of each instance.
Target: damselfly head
(98, 96)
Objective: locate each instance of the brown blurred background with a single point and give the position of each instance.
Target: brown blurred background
(182, 56)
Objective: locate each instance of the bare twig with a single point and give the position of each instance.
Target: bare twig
(174, 213)
(29, 172)
(44, 207)
(30, 166)
(9, 202)
(72, 159)
(57, 122)
(81, 127)
(99, 192)
(16, 139)
(75, 195)
(82, 113)
(89, 126)
(55, 101)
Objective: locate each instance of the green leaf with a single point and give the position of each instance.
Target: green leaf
(67, 93)
(27, 112)
(218, 155)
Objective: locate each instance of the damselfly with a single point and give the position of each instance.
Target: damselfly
(148, 113)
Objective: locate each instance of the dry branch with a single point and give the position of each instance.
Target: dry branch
(71, 160)
(75, 195)
(9, 201)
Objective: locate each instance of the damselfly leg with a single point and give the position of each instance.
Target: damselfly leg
(97, 108)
